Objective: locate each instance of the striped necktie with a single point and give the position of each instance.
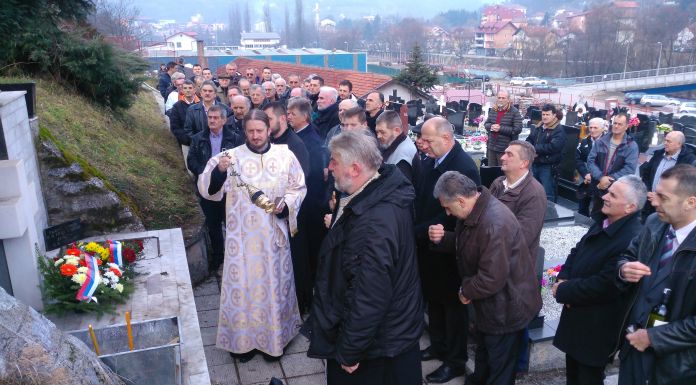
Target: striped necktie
(666, 252)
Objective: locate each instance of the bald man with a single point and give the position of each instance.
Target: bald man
(504, 125)
(674, 153)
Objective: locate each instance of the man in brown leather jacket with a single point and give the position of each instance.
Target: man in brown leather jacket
(493, 261)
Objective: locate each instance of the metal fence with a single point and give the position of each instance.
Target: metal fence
(625, 75)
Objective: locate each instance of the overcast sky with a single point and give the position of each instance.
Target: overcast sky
(216, 10)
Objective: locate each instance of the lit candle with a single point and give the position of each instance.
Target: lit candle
(94, 339)
(130, 331)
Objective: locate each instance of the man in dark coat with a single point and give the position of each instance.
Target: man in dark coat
(196, 119)
(663, 256)
(299, 243)
(591, 318)
(374, 106)
(165, 79)
(548, 140)
(327, 111)
(504, 124)
(177, 115)
(497, 278)
(448, 318)
(674, 153)
(586, 189)
(211, 141)
(312, 211)
(367, 312)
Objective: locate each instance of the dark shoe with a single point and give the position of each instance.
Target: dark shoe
(244, 357)
(270, 358)
(427, 354)
(444, 373)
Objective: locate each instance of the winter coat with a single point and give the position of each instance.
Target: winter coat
(510, 128)
(493, 261)
(367, 299)
(197, 119)
(201, 150)
(624, 161)
(548, 143)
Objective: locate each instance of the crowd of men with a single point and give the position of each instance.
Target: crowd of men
(330, 209)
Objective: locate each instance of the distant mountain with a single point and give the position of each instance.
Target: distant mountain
(217, 10)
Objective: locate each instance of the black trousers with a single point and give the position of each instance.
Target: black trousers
(496, 358)
(214, 220)
(581, 374)
(448, 327)
(404, 369)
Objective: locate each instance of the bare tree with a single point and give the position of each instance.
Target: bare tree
(299, 24)
(267, 17)
(247, 18)
(235, 26)
(115, 18)
(287, 32)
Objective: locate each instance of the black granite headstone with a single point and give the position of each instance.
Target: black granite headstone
(63, 234)
(457, 120)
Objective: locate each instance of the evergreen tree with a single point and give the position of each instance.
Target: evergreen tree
(417, 74)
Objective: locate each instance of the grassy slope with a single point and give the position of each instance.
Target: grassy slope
(133, 151)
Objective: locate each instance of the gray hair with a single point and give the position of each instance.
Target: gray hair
(177, 76)
(242, 97)
(280, 81)
(637, 193)
(302, 91)
(302, 105)
(453, 184)
(353, 103)
(255, 87)
(275, 77)
(390, 118)
(333, 94)
(356, 147)
(209, 83)
(527, 151)
(599, 121)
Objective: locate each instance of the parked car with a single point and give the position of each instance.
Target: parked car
(516, 81)
(675, 102)
(688, 107)
(533, 81)
(544, 89)
(633, 97)
(655, 101)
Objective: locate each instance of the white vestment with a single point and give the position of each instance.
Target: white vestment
(258, 304)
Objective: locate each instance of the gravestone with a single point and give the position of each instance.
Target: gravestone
(571, 118)
(453, 106)
(643, 134)
(463, 105)
(665, 118)
(63, 234)
(566, 169)
(457, 120)
(489, 174)
(475, 110)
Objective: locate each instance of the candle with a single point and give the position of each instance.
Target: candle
(130, 331)
(94, 339)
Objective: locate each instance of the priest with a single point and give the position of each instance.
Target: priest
(265, 187)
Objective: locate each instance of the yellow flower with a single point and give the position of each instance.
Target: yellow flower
(118, 287)
(79, 278)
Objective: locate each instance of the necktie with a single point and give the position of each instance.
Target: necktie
(666, 252)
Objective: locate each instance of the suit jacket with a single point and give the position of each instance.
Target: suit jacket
(438, 271)
(589, 328)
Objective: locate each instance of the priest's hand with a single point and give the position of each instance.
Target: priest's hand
(436, 233)
(224, 163)
(639, 339)
(350, 369)
(279, 209)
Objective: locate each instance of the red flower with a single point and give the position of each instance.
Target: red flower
(83, 262)
(73, 251)
(68, 270)
(129, 255)
(139, 242)
(558, 268)
(116, 272)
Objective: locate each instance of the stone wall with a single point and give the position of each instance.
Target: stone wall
(22, 207)
(70, 193)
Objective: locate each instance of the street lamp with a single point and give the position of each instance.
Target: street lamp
(659, 57)
(626, 61)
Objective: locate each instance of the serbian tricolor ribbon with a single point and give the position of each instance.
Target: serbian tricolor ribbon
(115, 249)
(90, 285)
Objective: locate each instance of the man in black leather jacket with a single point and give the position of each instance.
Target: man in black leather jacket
(367, 312)
(663, 256)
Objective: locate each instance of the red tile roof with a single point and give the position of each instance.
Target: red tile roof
(363, 82)
(494, 27)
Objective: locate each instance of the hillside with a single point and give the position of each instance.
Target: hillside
(132, 151)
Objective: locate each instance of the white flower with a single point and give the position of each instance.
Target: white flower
(58, 262)
(109, 275)
(118, 287)
(72, 260)
(82, 269)
(79, 278)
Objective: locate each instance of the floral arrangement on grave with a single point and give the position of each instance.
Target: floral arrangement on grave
(664, 128)
(90, 277)
(478, 120)
(550, 276)
(634, 122)
(478, 140)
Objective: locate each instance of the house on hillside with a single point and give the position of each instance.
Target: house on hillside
(493, 38)
(497, 13)
(178, 44)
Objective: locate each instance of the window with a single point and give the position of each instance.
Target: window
(178, 44)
